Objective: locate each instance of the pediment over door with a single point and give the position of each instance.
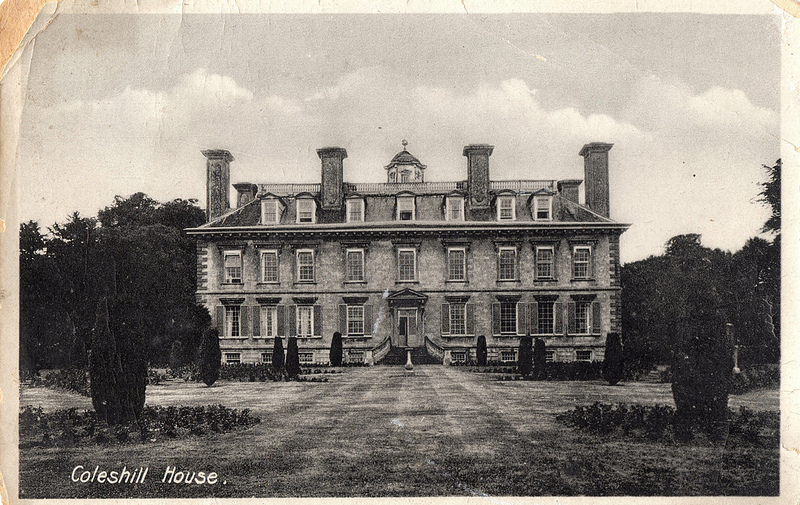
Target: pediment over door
(407, 298)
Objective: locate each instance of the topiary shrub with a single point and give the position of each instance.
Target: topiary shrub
(336, 349)
(481, 351)
(539, 359)
(702, 376)
(292, 358)
(210, 357)
(613, 366)
(278, 357)
(117, 371)
(177, 355)
(525, 356)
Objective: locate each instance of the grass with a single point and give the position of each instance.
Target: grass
(379, 432)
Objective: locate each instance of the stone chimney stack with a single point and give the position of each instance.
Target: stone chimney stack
(332, 182)
(218, 182)
(595, 165)
(568, 188)
(246, 193)
(478, 200)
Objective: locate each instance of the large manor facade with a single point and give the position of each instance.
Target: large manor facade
(410, 264)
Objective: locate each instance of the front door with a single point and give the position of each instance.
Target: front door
(407, 328)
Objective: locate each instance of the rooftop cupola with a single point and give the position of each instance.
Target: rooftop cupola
(405, 167)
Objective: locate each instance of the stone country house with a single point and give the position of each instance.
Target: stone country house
(411, 265)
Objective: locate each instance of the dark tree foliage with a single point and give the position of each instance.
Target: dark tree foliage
(292, 358)
(613, 362)
(138, 258)
(525, 356)
(771, 195)
(539, 359)
(278, 356)
(481, 351)
(118, 377)
(703, 371)
(210, 356)
(336, 349)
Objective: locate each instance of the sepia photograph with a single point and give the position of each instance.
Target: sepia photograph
(396, 251)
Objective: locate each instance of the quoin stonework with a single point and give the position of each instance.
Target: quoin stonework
(409, 264)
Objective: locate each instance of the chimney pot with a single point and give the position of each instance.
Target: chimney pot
(478, 180)
(218, 181)
(568, 189)
(246, 193)
(595, 165)
(332, 183)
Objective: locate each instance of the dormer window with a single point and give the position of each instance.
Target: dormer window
(543, 208)
(405, 208)
(454, 208)
(506, 208)
(306, 210)
(271, 211)
(355, 210)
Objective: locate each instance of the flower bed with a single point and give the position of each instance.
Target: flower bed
(70, 427)
(656, 423)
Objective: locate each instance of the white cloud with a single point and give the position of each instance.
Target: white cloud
(682, 162)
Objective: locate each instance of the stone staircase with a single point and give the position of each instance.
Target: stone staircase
(419, 356)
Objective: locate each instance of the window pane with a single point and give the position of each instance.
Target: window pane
(582, 317)
(355, 265)
(506, 208)
(305, 211)
(233, 267)
(354, 212)
(355, 320)
(456, 264)
(405, 208)
(305, 315)
(270, 263)
(583, 355)
(232, 320)
(545, 318)
(458, 319)
(306, 358)
(508, 258)
(266, 358)
(269, 321)
(542, 208)
(305, 266)
(580, 258)
(508, 317)
(507, 356)
(455, 206)
(544, 263)
(406, 265)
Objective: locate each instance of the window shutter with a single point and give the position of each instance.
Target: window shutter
(533, 317)
(220, 317)
(516, 265)
(291, 318)
(445, 319)
(470, 319)
(317, 320)
(280, 312)
(498, 264)
(572, 323)
(495, 318)
(590, 267)
(596, 318)
(256, 311)
(522, 318)
(343, 319)
(244, 320)
(558, 310)
(368, 319)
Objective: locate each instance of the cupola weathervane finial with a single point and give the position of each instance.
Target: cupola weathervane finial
(405, 143)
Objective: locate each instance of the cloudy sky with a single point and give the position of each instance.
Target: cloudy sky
(121, 103)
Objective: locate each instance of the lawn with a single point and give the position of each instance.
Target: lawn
(380, 432)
